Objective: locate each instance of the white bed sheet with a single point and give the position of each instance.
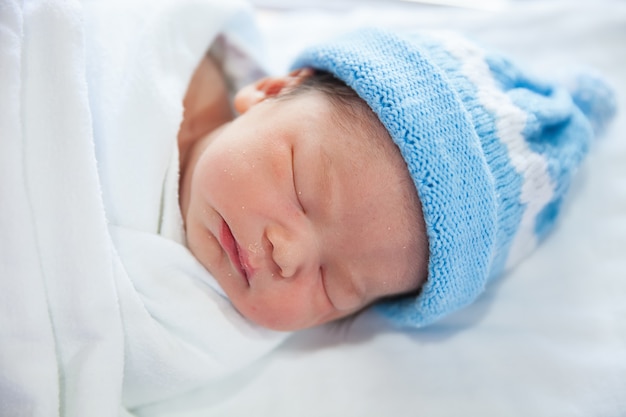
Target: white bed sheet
(548, 339)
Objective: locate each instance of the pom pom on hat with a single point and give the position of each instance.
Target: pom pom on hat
(593, 96)
(491, 150)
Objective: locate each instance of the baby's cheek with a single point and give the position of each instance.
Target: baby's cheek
(214, 180)
(284, 312)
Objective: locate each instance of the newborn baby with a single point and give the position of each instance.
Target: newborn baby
(301, 207)
(403, 168)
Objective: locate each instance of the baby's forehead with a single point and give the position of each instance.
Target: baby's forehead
(362, 139)
(384, 221)
(357, 144)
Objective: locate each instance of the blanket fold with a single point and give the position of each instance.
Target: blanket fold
(62, 343)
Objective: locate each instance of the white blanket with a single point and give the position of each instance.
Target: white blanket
(83, 332)
(99, 314)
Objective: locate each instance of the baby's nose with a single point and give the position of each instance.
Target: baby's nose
(292, 250)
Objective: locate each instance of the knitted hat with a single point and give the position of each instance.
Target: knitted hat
(490, 149)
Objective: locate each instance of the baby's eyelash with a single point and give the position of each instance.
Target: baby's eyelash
(293, 179)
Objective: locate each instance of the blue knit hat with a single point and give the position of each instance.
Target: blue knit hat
(491, 150)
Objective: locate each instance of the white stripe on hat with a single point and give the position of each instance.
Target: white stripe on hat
(537, 187)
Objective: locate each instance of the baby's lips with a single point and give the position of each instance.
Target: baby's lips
(230, 245)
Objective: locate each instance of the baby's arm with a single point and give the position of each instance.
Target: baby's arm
(206, 103)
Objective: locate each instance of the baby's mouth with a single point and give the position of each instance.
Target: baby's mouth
(236, 256)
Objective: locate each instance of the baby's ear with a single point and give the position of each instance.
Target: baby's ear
(268, 87)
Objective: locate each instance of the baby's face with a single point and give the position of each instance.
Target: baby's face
(297, 218)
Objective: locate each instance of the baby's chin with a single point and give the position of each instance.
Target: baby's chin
(277, 319)
(292, 324)
(274, 321)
